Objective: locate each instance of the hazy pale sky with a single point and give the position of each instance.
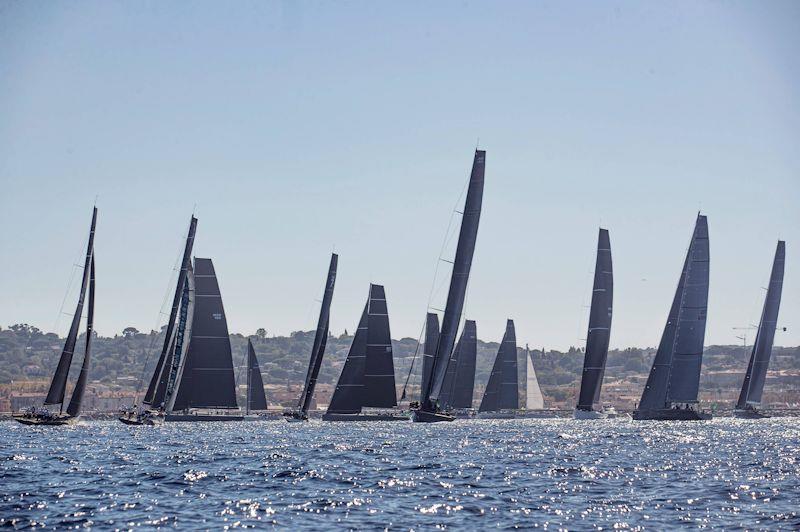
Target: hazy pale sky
(298, 127)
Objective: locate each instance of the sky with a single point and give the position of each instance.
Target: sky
(293, 129)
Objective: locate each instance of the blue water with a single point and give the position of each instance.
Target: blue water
(466, 474)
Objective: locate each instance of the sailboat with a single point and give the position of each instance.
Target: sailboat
(673, 384)
(153, 407)
(367, 378)
(501, 397)
(534, 400)
(753, 385)
(594, 361)
(256, 399)
(318, 348)
(459, 383)
(430, 409)
(58, 386)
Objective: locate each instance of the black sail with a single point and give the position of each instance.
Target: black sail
(464, 385)
(349, 393)
(594, 361)
(445, 398)
(320, 338)
(207, 379)
(58, 385)
(74, 407)
(431, 339)
(458, 281)
(379, 385)
(675, 375)
(753, 386)
(502, 390)
(256, 398)
(158, 373)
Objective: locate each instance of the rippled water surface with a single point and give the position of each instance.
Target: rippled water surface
(466, 474)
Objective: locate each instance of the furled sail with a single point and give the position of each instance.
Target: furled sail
(753, 386)
(534, 400)
(74, 407)
(431, 339)
(594, 361)
(502, 390)
(158, 374)
(256, 398)
(320, 338)
(675, 375)
(58, 385)
(458, 282)
(206, 379)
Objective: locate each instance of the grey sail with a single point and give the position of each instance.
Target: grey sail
(74, 407)
(320, 338)
(675, 375)
(753, 386)
(58, 385)
(464, 382)
(445, 398)
(207, 379)
(458, 283)
(594, 362)
(159, 374)
(431, 339)
(379, 384)
(256, 398)
(348, 396)
(502, 390)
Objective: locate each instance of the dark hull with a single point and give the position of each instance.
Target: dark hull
(364, 417)
(45, 421)
(295, 417)
(750, 413)
(193, 418)
(140, 421)
(421, 416)
(671, 414)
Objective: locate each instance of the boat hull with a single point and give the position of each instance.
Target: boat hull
(671, 414)
(295, 417)
(197, 418)
(148, 421)
(365, 417)
(41, 421)
(589, 414)
(749, 413)
(422, 416)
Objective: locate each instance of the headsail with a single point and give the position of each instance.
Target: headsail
(206, 379)
(74, 407)
(348, 396)
(534, 400)
(256, 398)
(320, 338)
(464, 382)
(502, 390)
(58, 385)
(379, 385)
(458, 282)
(431, 339)
(675, 375)
(150, 396)
(594, 361)
(753, 386)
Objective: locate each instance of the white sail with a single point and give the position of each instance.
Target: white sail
(533, 394)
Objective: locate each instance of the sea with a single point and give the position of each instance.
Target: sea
(468, 474)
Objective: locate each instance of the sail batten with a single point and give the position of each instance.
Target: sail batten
(753, 385)
(599, 329)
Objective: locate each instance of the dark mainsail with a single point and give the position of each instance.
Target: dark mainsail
(151, 397)
(502, 390)
(58, 385)
(320, 338)
(207, 378)
(675, 375)
(753, 386)
(431, 339)
(74, 407)
(594, 361)
(256, 398)
(367, 378)
(458, 283)
(463, 384)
